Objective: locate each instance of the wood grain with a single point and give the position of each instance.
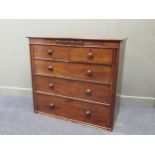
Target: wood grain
(85, 112)
(79, 71)
(91, 55)
(99, 93)
(75, 78)
(51, 52)
(89, 42)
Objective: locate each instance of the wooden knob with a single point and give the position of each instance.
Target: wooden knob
(51, 85)
(50, 52)
(88, 91)
(90, 55)
(50, 68)
(89, 72)
(52, 105)
(88, 113)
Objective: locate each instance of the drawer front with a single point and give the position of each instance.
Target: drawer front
(51, 52)
(78, 71)
(81, 90)
(91, 55)
(76, 42)
(75, 110)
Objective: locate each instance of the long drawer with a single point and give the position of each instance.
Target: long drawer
(75, 110)
(76, 89)
(74, 54)
(90, 72)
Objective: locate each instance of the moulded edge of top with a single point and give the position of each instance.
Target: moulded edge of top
(78, 38)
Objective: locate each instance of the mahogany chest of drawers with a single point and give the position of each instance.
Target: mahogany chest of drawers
(75, 79)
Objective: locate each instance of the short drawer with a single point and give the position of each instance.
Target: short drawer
(51, 52)
(75, 110)
(75, 89)
(98, 73)
(92, 55)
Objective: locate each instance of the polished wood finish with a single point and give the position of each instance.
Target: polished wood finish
(75, 78)
(80, 71)
(51, 52)
(86, 42)
(91, 55)
(82, 90)
(81, 111)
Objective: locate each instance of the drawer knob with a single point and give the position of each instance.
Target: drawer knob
(89, 72)
(90, 55)
(52, 105)
(50, 52)
(51, 85)
(88, 113)
(88, 91)
(50, 68)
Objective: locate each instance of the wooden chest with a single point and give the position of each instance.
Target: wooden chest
(75, 78)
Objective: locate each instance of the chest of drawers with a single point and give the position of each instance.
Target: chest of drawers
(75, 79)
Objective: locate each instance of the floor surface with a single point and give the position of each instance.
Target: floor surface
(17, 118)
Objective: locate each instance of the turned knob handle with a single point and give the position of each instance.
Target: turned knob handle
(90, 55)
(52, 105)
(88, 113)
(50, 68)
(50, 52)
(88, 91)
(89, 72)
(51, 85)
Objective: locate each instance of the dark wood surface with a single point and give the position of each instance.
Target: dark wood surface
(81, 111)
(74, 54)
(76, 89)
(79, 71)
(75, 78)
(70, 43)
(91, 55)
(51, 52)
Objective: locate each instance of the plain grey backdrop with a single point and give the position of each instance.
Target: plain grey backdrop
(139, 62)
